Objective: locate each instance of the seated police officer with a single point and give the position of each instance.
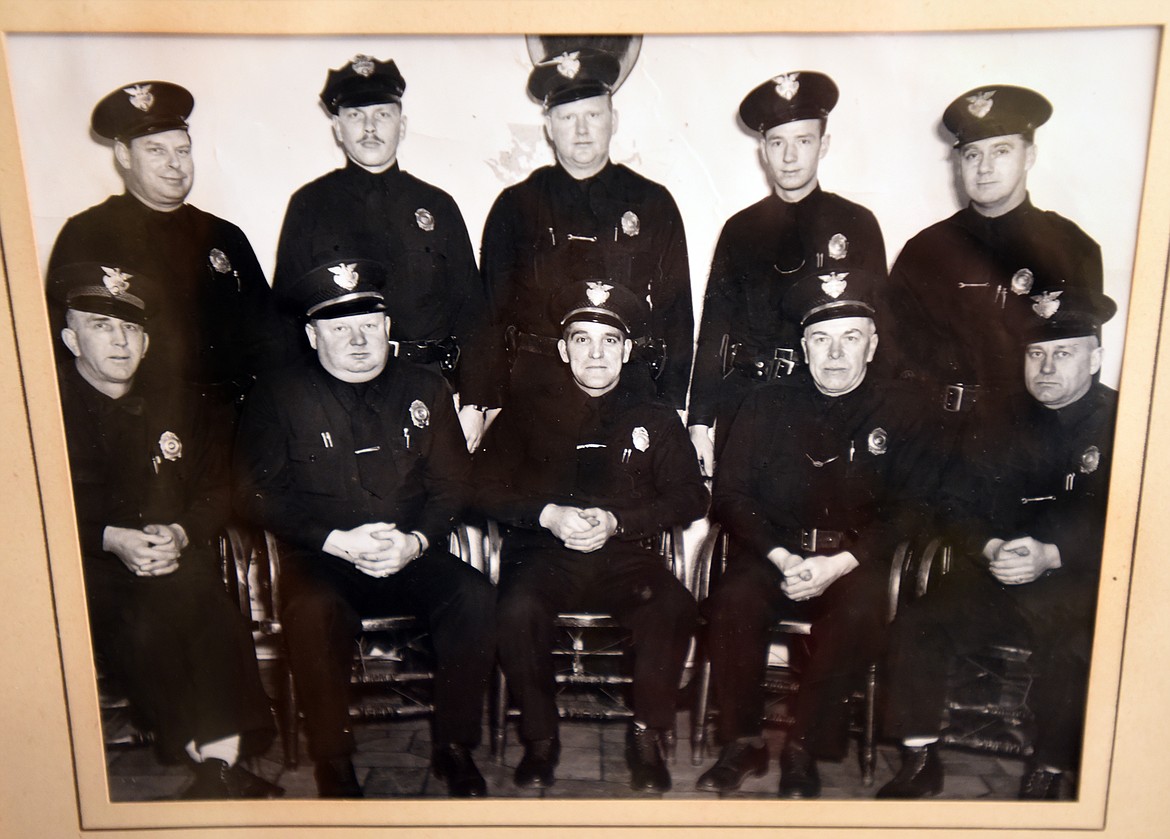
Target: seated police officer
(355, 460)
(150, 485)
(582, 475)
(818, 474)
(1027, 519)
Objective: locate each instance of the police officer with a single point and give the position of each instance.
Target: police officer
(355, 460)
(580, 476)
(744, 340)
(1026, 506)
(951, 283)
(150, 484)
(822, 474)
(371, 208)
(198, 275)
(585, 217)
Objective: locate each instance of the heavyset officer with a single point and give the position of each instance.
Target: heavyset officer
(355, 460)
(951, 283)
(1026, 502)
(823, 473)
(374, 210)
(150, 484)
(744, 340)
(198, 275)
(582, 475)
(585, 217)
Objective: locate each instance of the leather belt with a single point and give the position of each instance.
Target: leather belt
(815, 539)
(959, 397)
(442, 351)
(765, 365)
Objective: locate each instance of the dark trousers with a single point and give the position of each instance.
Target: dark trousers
(972, 610)
(847, 630)
(179, 648)
(633, 585)
(324, 600)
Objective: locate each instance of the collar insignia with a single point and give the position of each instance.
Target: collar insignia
(140, 96)
(345, 276)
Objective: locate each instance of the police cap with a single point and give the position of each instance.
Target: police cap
(1069, 312)
(142, 108)
(599, 301)
(826, 295)
(363, 81)
(580, 74)
(338, 289)
(994, 111)
(788, 97)
(100, 289)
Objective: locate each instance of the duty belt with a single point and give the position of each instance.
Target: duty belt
(765, 365)
(816, 539)
(442, 351)
(959, 397)
(651, 351)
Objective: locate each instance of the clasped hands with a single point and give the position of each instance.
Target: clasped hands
(377, 549)
(1019, 561)
(806, 577)
(152, 551)
(580, 529)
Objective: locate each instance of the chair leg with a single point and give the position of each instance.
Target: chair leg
(699, 715)
(868, 752)
(499, 717)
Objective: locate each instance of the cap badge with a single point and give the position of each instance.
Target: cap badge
(833, 284)
(838, 246)
(980, 104)
(1090, 460)
(219, 261)
(363, 65)
(641, 438)
(115, 280)
(878, 441)
(140, 96)
(424, 219)
(598, 293)
(345, 276)
(568, 64)
(787, 86)
(631, 224)
(1046, 305)
(170, 445)
(1022, 281)
(420, 415)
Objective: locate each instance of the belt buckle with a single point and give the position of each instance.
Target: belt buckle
(953, 398)
(783, 359)
(808, 539)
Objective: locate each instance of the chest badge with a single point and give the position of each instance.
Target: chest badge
(878, 442)
(219, 261)
(1022, 281)
(838, 246)
(1090, 460)
(631, 224)
(170, 445)
(641, 438)
(424, 219)
(420, 415)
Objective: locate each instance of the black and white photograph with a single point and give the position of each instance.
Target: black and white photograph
(588, 429)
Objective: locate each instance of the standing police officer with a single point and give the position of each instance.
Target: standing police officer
(744, 340)
(585, 217)
(374, 210)
(951, 284)
(206, 292)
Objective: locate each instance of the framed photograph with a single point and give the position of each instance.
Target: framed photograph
(259, 133)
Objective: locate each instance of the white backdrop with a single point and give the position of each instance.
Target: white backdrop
(259, 132)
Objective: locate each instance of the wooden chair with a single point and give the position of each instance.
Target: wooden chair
(590, 653)
(781, 682)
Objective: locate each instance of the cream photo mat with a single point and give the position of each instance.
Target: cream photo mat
(70, 177)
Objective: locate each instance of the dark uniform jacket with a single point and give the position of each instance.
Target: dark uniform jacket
(207, 295)
(625, 452)
(418, 233)
(1028, 470)
(551, 230)
(949, 286)
(762, 250)
(862, 464)
(299, 473)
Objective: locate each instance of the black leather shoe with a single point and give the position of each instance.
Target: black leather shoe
(215, 779)
(1044, 785)
(537, 767)
(454, 764)
(737, 760)
(336, 779)
(921, 774)
(798, 772)
(646, 757)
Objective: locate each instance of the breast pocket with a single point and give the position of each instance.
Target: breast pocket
(316, 468)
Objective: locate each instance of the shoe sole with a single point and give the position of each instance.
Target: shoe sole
(753, 773)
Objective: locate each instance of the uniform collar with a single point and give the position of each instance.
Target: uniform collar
(354, 170)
